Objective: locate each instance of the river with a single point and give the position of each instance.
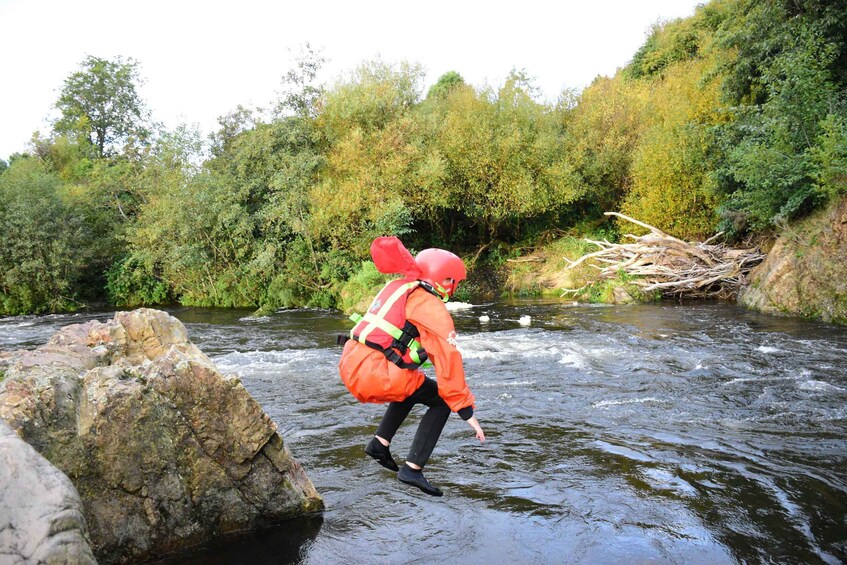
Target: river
(666, 433)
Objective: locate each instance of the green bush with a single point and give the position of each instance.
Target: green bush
(361, 288)
(131, 282)
(41, 242)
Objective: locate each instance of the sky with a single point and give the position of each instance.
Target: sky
(201, 59)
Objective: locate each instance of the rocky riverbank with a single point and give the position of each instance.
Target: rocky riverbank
(805, 273)
(165, 452)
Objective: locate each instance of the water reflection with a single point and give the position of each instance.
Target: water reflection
(284, 544)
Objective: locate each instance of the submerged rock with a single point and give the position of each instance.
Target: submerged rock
(41, 519)
(165, 451)
(805, 273)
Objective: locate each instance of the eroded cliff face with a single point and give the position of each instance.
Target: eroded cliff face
(805, 274)
(164, 450)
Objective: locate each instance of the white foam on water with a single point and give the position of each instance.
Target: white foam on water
(263, 361)
(254, 319)
(819, 386)
(755, 379)
(605, 403)
(19, 324)
(504, 383)
(573, 359)
(804, 374)
(768, 349)
(505, 345)
(742, 380)
(453, 306)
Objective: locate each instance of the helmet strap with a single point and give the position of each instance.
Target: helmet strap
(436, 290)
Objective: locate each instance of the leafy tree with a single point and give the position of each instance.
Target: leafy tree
(602, 132)
(672, 183)
(370, 158)
(301, 93)
(445, 84)
(41, 242)
(788, 86)
(232, 125)
(503, 160)
(668, 43)
(370, 97)
(100, 104)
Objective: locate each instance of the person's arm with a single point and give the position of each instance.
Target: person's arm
(473, 423)
(438, 338)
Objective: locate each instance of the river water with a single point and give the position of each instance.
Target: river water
(667, 433)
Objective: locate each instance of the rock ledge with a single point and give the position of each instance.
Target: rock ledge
(166, 452)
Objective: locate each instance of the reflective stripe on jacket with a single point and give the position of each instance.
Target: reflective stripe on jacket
(384, 326)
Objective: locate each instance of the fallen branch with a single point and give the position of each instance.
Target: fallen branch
(660, 262)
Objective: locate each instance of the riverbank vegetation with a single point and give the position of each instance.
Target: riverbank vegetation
(734, 120)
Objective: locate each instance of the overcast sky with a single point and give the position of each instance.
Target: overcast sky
(200, 59)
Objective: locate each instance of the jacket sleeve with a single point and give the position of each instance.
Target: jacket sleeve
(437, 337)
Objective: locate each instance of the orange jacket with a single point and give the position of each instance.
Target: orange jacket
(372, 378)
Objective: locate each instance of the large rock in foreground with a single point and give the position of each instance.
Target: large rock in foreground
(165, 451)
(805, 274)
(41, 517)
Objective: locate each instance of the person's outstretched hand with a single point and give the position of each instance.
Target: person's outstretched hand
(474, 423)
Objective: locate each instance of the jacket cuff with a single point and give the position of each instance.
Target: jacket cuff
(465, 413)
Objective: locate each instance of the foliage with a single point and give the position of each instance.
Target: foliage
(371, 161)
(602, 132)
(445, 84)
(370, 98)
(131, 282)
(672, 187)
(301, 93)
(829, 157)
(668, 43)
(788, 82)
(361, 287)
(497, 161)
(603, 292)
(735, 115)
(101, 106)
(40, 242)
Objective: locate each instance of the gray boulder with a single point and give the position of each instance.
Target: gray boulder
(41, 519)
(165, 451)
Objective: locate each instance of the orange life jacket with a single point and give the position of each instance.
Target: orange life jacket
(371, 377)
(384, 326)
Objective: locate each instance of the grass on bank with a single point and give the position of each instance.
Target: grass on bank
(545, 273)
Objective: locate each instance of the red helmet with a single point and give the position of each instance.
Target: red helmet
(442, 270)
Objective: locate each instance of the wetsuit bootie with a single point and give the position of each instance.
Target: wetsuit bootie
(415, 477)
(381, 453)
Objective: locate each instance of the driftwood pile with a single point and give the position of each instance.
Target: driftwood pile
(658, 261)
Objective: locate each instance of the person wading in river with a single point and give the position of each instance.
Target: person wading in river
(406, 327)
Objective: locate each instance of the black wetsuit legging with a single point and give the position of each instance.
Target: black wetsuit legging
(429, 430)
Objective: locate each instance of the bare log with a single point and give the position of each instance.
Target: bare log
(659, 261)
